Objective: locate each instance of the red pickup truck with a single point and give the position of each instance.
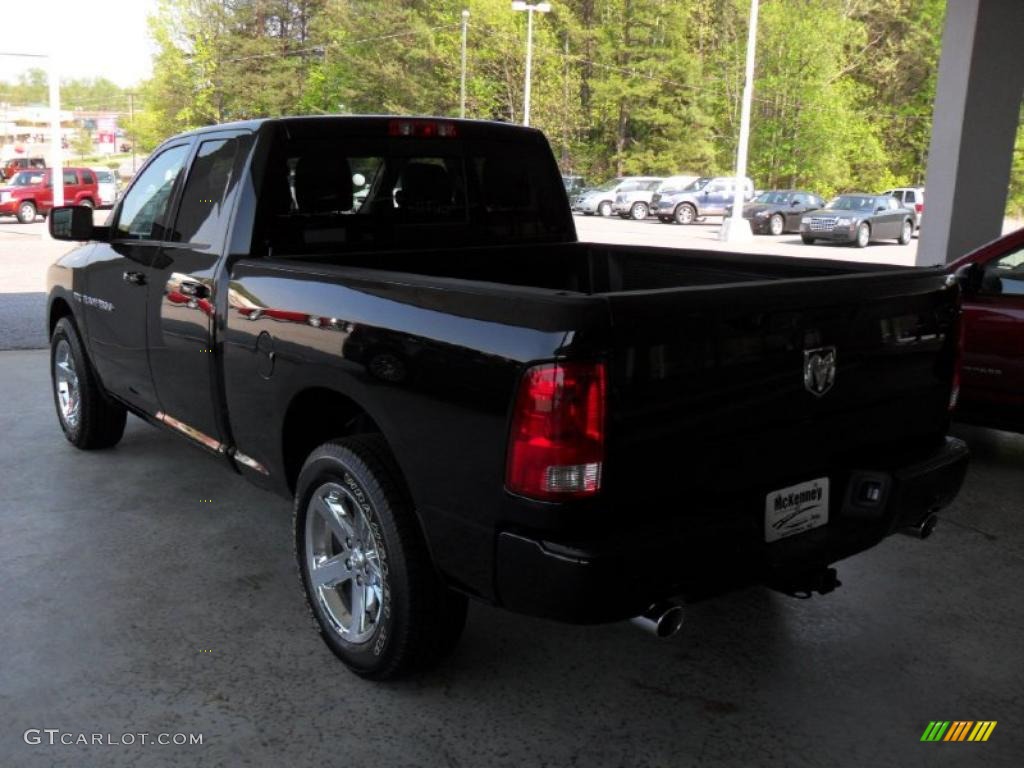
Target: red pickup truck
(992, 387)
(31, 192)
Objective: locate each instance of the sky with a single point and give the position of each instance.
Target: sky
(104, 38)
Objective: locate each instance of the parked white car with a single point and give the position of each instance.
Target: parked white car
(108, 185)
(633, 199)
(600, 199)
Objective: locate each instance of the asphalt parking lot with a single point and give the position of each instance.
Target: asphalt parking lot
(129, 605)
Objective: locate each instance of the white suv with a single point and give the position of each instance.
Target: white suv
(633, 199)
(912, 198)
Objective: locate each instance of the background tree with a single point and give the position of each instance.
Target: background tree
(81, 144)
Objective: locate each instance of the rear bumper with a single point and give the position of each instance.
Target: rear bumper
(618, 578)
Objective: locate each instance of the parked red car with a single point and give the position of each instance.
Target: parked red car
(31, 192)
(992, 384)
(15, 164)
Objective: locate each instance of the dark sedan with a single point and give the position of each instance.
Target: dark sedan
(780, 210)
(859, 218)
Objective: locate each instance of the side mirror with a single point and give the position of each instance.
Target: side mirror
(881, 208)
(970, 277)
(71, 222)
(795, 203)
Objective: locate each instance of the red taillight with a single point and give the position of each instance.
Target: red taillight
(422, 129)
(919, 207)
(556, 446)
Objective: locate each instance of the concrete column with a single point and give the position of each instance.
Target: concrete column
(977, 107)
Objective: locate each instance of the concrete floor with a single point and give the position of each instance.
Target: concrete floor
(115, 577)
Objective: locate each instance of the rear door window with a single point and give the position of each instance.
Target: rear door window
(203, 212)
(88, 178)
(70, 178)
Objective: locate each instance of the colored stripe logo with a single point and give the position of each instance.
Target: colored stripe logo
(958, 730)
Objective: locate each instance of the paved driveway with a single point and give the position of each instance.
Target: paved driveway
(127, 605)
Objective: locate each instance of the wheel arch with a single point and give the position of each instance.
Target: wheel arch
(59, 307)
(315, 415)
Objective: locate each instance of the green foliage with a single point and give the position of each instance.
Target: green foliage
(842, 96)
(81, 144)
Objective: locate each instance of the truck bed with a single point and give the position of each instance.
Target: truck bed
(589, 269)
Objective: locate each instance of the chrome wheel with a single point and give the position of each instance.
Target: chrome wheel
(343, 562)
(65, 379)
(776, 225)
(863, 235)
(685, 214)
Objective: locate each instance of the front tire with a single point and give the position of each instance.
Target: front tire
(87, 416)
(776, 224)
(27, 212)
(685, 214)
(604, 209)
(638, 212)
(369, 582)
(863, 235)
(808, 240)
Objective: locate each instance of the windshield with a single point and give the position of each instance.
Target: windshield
(698, 185)
(774, 198)
(27, 179)
(608, 186)
(851, 203)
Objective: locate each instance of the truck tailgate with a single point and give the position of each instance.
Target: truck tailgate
(708, 392)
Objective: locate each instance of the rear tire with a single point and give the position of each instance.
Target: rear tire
(88, 417)
(27, 212)
(354, 519)
(87, 203)
(808, 240)
(638, 212)
(907, 233)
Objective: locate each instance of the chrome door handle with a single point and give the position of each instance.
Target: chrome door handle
(194, 290)
(135, 278)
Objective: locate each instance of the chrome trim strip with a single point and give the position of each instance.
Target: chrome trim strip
(191, 432)
(249, 462)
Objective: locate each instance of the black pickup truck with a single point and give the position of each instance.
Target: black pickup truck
(391, 321)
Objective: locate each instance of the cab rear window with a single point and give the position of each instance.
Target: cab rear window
(330, 193)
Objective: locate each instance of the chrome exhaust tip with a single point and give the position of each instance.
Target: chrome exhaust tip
(923, 529)
(661, 619)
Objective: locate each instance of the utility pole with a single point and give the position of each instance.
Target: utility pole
(56, 155)
(736, 229)
(530, 8)
(131, 126)
(462, 98)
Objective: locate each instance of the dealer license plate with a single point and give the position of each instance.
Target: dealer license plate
(798, 508)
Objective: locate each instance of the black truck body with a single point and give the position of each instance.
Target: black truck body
(275, 325)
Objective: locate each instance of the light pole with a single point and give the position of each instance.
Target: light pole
(462, 89)
(56, 159)
(736, 229)
(530, 8)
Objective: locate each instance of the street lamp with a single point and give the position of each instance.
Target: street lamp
(530, 8)
(735, 228)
